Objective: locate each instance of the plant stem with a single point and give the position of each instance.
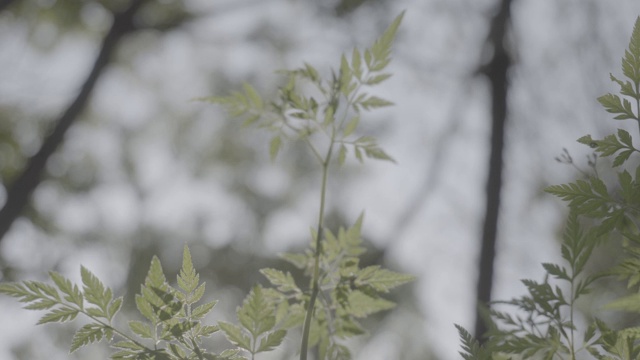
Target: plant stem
(571, 309)
(316, 266)
(638, 107)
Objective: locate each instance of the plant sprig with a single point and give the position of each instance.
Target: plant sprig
(544, 325)
(335, 116)
(172, 329)
(341, 291)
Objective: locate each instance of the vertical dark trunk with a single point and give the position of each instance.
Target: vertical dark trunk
(20, 190)
(496, 71)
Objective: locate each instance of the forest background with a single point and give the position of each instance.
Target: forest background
(143, 169)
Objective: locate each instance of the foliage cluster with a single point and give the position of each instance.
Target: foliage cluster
(339, 292)
(545, 324)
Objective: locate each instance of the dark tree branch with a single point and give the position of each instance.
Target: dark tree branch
(496, 71)
(5, 4)
(20, 190)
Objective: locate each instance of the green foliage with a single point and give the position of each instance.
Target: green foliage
(547, 328)
(258, 332)
(347, 291)
(630, 68)
(172, 329)
(471, 348)
(612, 144)
(331, 110)
(543, 325)
(338, 292)
(325, 119)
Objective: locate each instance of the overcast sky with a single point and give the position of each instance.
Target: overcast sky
(437, 131)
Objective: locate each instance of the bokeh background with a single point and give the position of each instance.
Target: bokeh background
(143, 169)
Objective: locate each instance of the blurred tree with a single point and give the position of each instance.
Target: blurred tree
(4, 4)
(21, 188)
(124, 22)
(145, 171)
(91, 158)
(496, 71)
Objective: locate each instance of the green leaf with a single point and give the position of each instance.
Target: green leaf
(197, 294)
(94, 291)
(631, 60)
(43, 304)
(626, 87)
(345, 77)
(611, 145)
(347, 327)
(587, 140)
(382, 280)
(129, 345)
(300, 261)
(154, 301)
(471, 348)
(374, 102)
(257, 313)
(622, 157)
(358, 153)
(59, 315)
(294, 317)
(377, 79)
(613, 104)
(283, 281)
(362, 305)
(629, 303)
(356, 63)
(586, 197)
(589, 333)
(87, 334)
(311, 73)
(274, 147)
(375, 152)
(342, 154)
(95, 312)
(145, 308)
(188, 279)
(381, 49)
(72, 292)
(328, 115)
(235, 336)
(271, 341)
(625, 138)
(253, 96)
(155, 275)
(41, 290)
(207, 330)
(114, 307)
(141, 329)
(557, 271)
(202, 310)
(17, 291)
(351, 126)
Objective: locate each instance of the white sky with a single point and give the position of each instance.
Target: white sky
(562, 66)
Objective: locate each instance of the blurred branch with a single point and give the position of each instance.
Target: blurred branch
(496, 71)
(19, 192)
(4, 4)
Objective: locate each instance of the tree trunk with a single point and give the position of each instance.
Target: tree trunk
(496, 71)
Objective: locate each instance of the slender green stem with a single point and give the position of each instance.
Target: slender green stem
(638, 107)
(316, 266)
(573, 300)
